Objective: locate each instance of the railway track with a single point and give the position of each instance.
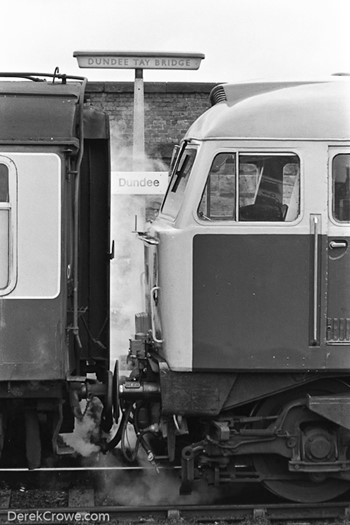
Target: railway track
(62, 501)
(272, 513)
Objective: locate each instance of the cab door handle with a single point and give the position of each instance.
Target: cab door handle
(338, 244)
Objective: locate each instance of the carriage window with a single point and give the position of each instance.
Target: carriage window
(268, 188)
(178, 183)
(341, 187)
(219, 197)
(4, 227)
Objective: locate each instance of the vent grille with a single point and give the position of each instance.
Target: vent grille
(338, 330)
(217, 95)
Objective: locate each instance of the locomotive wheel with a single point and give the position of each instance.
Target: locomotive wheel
(115, 393)
(171, 439)
(299, 487)
(107, 412)
(301, 490)
(33, 440)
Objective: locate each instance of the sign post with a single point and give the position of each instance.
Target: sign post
(139, 119)
(138, 61)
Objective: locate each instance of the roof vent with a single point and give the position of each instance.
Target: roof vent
(217, 95)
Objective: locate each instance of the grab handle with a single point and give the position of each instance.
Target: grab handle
(315, 231)
(155, 288)
(338, 244)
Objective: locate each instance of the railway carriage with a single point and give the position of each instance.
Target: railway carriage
(242, 357)
(54, 262)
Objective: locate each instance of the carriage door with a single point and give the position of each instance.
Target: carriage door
(338, 301)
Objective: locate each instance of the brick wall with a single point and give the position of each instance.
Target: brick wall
(170, 108)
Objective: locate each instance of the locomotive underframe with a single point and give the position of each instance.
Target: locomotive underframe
(222, 431)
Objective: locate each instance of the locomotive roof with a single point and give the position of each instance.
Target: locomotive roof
(38, 111)
(277, 110)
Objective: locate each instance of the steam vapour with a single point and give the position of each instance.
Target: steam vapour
(127, 298)
(86, 430)
(127, 293)
(147, 487)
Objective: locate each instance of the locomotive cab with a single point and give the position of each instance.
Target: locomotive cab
(248, 316)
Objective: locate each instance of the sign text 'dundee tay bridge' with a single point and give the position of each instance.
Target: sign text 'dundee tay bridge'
(128, 60)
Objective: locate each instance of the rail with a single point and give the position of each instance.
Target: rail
(192, 513)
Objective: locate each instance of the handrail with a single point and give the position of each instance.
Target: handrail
(152, 316)
(315, 230)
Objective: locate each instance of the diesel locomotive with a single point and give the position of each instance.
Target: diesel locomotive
(241, 360)
(54, 264)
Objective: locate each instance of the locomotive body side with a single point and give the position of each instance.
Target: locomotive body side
(258, 293)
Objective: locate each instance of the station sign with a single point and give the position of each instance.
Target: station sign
(139, 182)
(139, 60)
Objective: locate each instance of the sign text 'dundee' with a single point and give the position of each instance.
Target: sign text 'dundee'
(139, 182)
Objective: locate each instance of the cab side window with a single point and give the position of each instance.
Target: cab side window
(273, 188)
(268, 188)
(341, 188)
(177, 185)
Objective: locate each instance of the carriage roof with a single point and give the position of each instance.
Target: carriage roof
(38, 111)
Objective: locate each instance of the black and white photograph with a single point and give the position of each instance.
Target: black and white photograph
(175, 262)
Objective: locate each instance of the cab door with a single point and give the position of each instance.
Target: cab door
(253, 265)
(338, 293)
